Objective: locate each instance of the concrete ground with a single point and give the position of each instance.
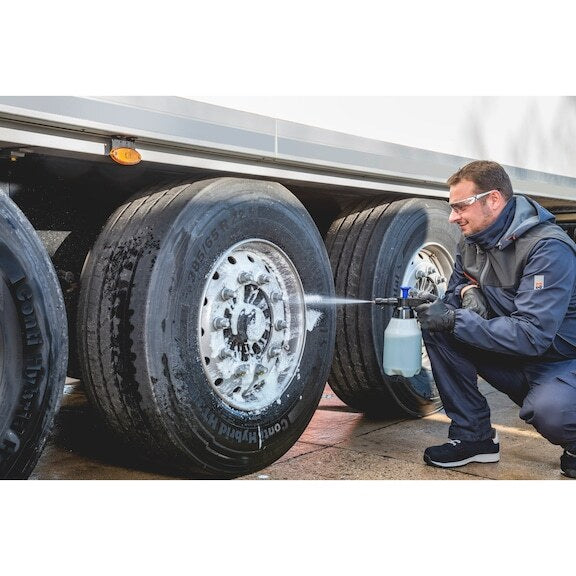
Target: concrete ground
(339, 444)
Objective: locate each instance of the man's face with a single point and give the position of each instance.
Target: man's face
(476, 216)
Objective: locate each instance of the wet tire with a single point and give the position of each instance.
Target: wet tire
(33, 344)
(196, 345)
(375, 248)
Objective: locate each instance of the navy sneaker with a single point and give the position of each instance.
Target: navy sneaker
(459, 452)
(568, 464)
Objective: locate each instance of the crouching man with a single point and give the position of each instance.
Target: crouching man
(508, 315)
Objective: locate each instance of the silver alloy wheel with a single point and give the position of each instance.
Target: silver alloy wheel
(252, 325)
(428, 269)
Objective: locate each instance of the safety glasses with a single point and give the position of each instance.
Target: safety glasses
(461, 205)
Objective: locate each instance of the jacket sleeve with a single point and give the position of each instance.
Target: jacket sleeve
(540, 305)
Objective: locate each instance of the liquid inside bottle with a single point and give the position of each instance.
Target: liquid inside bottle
(403, 341)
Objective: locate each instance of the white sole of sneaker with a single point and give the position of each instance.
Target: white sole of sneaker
(482, 458)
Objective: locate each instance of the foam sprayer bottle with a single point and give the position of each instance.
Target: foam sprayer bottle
(402, 338)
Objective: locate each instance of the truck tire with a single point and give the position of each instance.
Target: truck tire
(33, 344)
(375, 248)
(196, 344)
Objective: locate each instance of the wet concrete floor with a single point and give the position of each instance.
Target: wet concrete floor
(339, 444)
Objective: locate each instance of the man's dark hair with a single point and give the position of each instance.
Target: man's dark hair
(486, 175)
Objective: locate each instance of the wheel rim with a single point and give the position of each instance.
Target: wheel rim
(252, 325)
(428, 269)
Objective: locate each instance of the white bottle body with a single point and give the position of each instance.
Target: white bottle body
(402, 347)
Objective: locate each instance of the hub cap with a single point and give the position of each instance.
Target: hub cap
(252, 325)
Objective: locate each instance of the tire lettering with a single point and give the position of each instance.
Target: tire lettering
(211, 420)
(24, 293)
(33, 370)
(33, 374)
(251, 436)
(31, 331)
(204, 250)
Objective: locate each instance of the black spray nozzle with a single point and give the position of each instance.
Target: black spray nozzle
(385, 301)
(410, 302)
(406, 301)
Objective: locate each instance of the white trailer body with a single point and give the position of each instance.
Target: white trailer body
(187, 290)
(531, 132)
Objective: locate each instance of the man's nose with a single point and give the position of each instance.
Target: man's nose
(454, 217)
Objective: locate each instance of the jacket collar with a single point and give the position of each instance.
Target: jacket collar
(518, 216)
(488, 238)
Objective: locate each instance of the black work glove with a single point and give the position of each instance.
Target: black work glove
(474, 300)
(433, 314)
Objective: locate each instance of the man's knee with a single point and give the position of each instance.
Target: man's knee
(551, 409)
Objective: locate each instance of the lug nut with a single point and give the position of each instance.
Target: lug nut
(245, 277)
(276, 297)
(260, 370)
(221, 323)
(275, 351)
(225, 353)
(227, 293)
(263, 278)
(241, 370)
(280, 324)
(420, 274)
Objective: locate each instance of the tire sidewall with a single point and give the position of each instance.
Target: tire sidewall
(35, 337)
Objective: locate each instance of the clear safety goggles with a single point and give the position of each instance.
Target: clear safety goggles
(461, 205)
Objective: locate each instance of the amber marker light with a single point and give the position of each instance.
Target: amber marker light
(125, 156)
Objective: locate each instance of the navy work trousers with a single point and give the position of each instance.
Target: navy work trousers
(545, 391)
